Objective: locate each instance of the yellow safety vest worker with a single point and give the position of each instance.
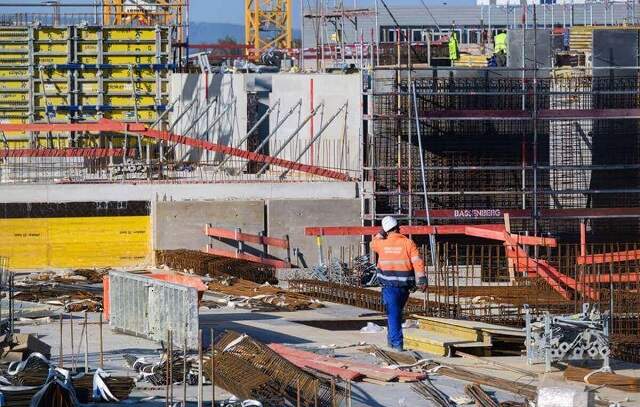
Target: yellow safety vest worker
(453, 47)
(500, 43)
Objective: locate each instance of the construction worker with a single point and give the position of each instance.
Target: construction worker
(453, 47)
(400, 270)
(500, 48)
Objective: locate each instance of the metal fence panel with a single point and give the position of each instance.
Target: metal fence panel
(147, 307)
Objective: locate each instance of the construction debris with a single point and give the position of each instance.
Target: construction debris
(155, 373)
(601, 378)
(290, 381)
(74, 290)
(38, 374)
(246, 294)
(55, 393)
(202, 264)
(573, 337)
(102, 387)
(18, 396)
(479, 396)
(19, 347)
(355, 296)
(343, 369)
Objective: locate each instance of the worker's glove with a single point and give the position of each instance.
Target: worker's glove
(422, 283)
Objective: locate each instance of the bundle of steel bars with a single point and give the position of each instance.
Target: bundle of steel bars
(292, 382)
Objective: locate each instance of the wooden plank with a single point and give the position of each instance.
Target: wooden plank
(369, 371)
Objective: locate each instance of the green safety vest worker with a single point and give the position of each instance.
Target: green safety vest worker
(453, 47)
(500, 43)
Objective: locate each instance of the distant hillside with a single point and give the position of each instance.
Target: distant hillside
(212, 32)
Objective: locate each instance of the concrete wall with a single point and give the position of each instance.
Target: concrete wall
(226, 120)
(339, 144)
(337, 147)
(179, 225)
(292, 216)
(176, 192)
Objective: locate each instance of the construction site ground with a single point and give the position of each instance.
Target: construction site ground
(285, 327)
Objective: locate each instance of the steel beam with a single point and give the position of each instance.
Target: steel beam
(498, 213)
(611, 257)
(139, 128)
(245, 237)
(244, 256)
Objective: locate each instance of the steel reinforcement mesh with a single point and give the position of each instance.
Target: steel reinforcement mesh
(488, 164)
(286, 379)
(476, 281)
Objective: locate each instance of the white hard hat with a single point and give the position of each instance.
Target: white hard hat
(388, 223)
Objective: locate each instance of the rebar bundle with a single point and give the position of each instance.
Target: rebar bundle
(608, 379)
(357, 297)
(18, 396)
(207, 264)
(292, 382)
(119, 386)
(479, 396)
(242, 379)
(156, 372)
(32, 372)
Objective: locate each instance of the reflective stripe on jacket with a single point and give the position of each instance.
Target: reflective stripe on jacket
(399, 261)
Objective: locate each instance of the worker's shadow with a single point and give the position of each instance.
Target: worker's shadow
(230, 322)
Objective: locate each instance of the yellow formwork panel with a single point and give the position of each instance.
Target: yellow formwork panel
(119, 73)
(112, 87)
(53, 74)
(14, 59)
(50, 34)
(50, 59)
(13, 72)
(13, 117)
(76, 242)
(13, 85)
(51, 87)
(128, 100)
(143, 115)
(50, 47)
(14, 35)
(14, 46)
(129, 34)
(18, 97)
(128, 59)
(41, 101)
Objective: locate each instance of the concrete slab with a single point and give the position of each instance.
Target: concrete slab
(278, 327)
(179, 225)
(143, 191)
(292, 216)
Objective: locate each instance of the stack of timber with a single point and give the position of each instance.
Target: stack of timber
(443, 336)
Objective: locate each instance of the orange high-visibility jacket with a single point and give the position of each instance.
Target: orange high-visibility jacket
(399, 261)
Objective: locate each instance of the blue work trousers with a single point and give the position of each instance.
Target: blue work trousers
(394, 299)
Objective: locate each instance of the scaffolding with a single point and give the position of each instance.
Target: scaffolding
(539, 144)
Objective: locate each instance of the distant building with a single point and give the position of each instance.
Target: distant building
(469, 22)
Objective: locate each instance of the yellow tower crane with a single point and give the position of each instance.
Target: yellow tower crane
(268, 24)
(146, 12)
